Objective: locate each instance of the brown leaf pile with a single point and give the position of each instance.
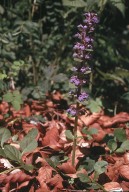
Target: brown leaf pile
(52, 143)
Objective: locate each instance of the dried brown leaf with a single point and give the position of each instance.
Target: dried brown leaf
(112, 186)
(51, 139)
(56, 183)
(124, 171)
(90, 119)
(19, 177)
(67, 168)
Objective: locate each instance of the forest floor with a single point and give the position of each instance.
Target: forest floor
(101, 138)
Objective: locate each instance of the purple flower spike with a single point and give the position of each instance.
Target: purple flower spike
(82, 54)
(83, 96)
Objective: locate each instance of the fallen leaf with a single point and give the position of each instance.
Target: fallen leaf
(111, 186)
(67, 168)
(124, 171)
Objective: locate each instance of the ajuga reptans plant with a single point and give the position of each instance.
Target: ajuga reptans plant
(82, 54)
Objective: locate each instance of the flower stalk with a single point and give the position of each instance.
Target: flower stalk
(82, 54)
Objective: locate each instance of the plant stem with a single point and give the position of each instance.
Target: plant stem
(75, 134)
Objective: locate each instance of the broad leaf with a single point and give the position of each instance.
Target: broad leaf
(83, 177)
(94, 105)
(8, 97)
(125, 145)
(88, 164)
(16, 105)
(2, 153)
(4, 135)
(12, 153)
(29, 143)
(30, 146)
(119, 4)
(100, 167)
(74, 3)
(120, 134)
(112, 144)
(32, 134)
(27, 167)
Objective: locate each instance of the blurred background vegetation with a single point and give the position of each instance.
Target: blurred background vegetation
(36, 41)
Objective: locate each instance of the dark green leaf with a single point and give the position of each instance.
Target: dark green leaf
(100, 167)
(74, 3)
(27, 167)
(4, 135)
(2, 153)
(120, 150)
(119, 4)
(8, 97)
(83, 177)
(30, 146)
(112, 144)
(32, 134)
(120, 134)
(88, 164)
(12, 153)
(16, 105)
(125, 145)
(94, 106)
(29, 143)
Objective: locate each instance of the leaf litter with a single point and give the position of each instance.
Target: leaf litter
(39, 137)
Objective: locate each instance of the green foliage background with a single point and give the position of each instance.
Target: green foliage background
(36, 40)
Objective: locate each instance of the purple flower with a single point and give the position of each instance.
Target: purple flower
(83, 96)
(72, 111)
(75, 80)
(84, 69)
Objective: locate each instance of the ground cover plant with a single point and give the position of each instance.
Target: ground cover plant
(52, 139)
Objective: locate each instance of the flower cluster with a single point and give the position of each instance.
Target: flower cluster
(82, 53)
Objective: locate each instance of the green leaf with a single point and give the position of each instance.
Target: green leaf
(119, 4)
(2, 153)
(30, 146)
(93, 131)
(94, 105)
(27, 167)
(112, 144)
(100, 167)
(120, 150)
(16, 105)
(2, 76)
(125, 145)
(12, 153)
(94, 186)
(88, 164)
(69, 135)
(120, 134)
(33, 133)
(55, 159)
(8, 97)
(4, 135)
(74, 3)
(29, 143)
(83, 177)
